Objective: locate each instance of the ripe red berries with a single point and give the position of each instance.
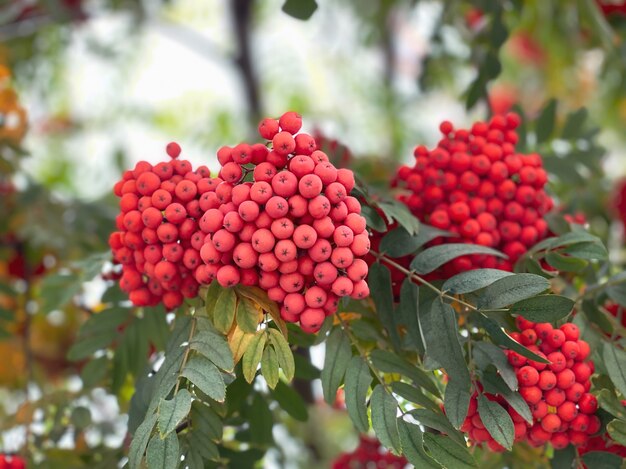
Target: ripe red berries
(474, 185)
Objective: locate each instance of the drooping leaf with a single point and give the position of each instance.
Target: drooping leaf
(497, 421)
(389, 362)
(615, 362)
(336, 359)
(238, 342)
(448, 453)
(432, 258)
(438, 421)
(357, 382)
(494, 383)
(212, 345)
(544, 125)
(252, 357)
(396, 211)
(224, 312)
(500, 337)
(141, 437)
(617, 431)
(602, 460)
(472, 280)
(543, 308)
(204, 374)
(509, 290)
(163, 453)
(485, 353)
(206, 422)
(283, 353)
(413, 394)
(248, 315)
(172, 412)
(384, 408)
(290, 401)
(408, 311)
(379, 280)
(269, 367)
(412, 442)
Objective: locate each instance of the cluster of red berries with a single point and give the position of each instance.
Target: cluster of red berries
(475, 185)
(369, 454)
(278, 217)
(11, 462)
(558, 395)
(158, 242)
(281, 217)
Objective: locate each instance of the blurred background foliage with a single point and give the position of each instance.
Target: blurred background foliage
(88, 88)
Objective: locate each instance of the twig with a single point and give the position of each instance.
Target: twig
(192, 331)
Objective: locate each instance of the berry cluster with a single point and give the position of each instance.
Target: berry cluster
(476, 186)
(11, 462)
(281, 217)
(557, 393)
(158, 242)
(368, 454)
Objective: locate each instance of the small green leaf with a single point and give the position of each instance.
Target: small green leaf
(609, 402)
(283, 352)
(248, 316)
(494, 384)
(543, 308)
(396, 211)
(358, 381)
(81, 417)
(544, 126)
(472, 280)
(336, 359)
(485, 354)
(389, 362)
(500, 337)
(379, 280)
(213, 345)
(290, 401)
(163, 453)
(509, 290)
(615, 362)
(574, 124)
(300, 9)
(408, 312)
(206, 422)
(449, 453)
(373, 218)
(617, 431)
(565, 263)
(563, 458)
(252, 356)
(398, 242)
(412, 442)
(204, 374)
(589, 251)
(434, 257)
(172, 412)
(602, 460)
(269, 367)
(138, 445)
(497, 421)
(414, 395)
(384, 422)
(617, 293)
(438, 421)
(224, 312)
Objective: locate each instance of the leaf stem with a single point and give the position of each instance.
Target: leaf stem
(192, 331)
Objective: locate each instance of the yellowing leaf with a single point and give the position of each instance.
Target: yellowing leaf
(238, 341)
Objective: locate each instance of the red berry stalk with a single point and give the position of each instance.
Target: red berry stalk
(475, 185)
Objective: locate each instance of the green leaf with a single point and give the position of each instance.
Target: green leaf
(399, 212)
(283, 352)
(617, 431)
(494, 384)
(389, 362)
(602, 460)
(617, 293)
(500, 337)
(472, 280)
(94, 372)
(615, 362)
(448, 453)
(373, 218)
(398, 242)
(434, 257)
(544, 125)
(300, 9)
(408, 311)
(384, 408)
(204, 374)
(57, 290)
(589, 251)
(574, 124)
(358, 381)
(543, 308)
(140, 442)
(412, 442)
(206, 422)
(248, 316)
(163, 453)
(563, 458)
(439, 422)
(414, 395)
(252, 356)
(440, 336)
(213, 345)
(172, 412)
(379, 280)
(212, 295)
(565, 263)
(290, 401)
(81, 417)
(509, 290)
(609, 402)
(485, 354)
(261, 422)
(224, 312)
(497, 421)
(336, 359)
(269, 367)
